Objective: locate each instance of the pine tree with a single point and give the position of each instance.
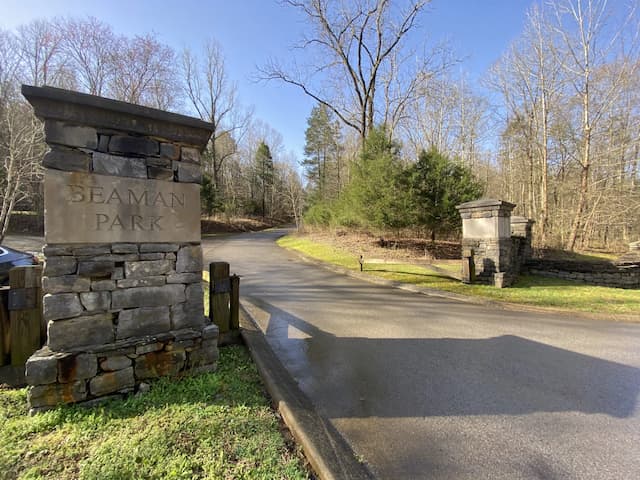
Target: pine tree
(322, 154)
(264, 173)
(437, 185)
(209, 197)
(378, 195)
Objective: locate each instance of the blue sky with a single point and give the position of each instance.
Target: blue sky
(251, 31)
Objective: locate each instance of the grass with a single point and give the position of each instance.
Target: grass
(212, 426)
(529, 290)
(588, 257)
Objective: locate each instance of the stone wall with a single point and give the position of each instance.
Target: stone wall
(123, 271)
(622, 273)
(521, 238)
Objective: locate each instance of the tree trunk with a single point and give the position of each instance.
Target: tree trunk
(544, 170)
(584, 190)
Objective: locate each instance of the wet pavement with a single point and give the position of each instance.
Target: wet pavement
(26, 243)
(427, 387)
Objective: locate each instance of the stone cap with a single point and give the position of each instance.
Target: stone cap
(107, 114)
(487, 204)
(519, 219)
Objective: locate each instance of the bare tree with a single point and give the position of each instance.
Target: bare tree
(585, 44)
(144, 72)
(9, 66)
(354, 45)
(90, 45)
(214, 98)
(528, 78)
(290, 190)
(568, 143)
(40, 44)
(21, 150)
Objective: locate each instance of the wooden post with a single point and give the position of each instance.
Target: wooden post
(5, 326)
(25, 312)
(219, 290)
(235, 302)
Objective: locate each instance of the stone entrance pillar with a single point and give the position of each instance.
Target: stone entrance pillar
(522, 237)
(123, 263)
(486, 228)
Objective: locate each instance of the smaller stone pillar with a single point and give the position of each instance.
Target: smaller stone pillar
(521, 230)
(632, 257)
(486, 228)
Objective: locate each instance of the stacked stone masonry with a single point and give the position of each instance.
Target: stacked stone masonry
(606, 274)
(119, 313)
(89, 150)
(487, 231)
(499, 248)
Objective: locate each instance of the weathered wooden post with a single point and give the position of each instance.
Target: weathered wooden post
(224, 302)
(5, 325)
(25, 312)
(235, 302)
(219, 295)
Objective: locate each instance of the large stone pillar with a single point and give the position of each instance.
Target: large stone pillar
(486, 228)
(123, 262)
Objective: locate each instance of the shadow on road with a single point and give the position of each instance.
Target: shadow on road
(505, 375)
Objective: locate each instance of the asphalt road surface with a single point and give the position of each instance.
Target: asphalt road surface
(426, 387)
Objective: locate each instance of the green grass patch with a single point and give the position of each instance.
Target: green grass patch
(211, 426)
(449, 266)
(529, 290)
(589, 257)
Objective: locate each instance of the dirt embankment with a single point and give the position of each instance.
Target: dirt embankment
(234, 225)
(405, 249)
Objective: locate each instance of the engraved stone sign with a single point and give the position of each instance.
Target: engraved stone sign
(486, 228)
(122, 277)
(89, 208)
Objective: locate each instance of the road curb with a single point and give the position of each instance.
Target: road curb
(329, 454)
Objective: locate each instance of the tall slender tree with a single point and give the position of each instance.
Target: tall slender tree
(322, 154)
(264, 173)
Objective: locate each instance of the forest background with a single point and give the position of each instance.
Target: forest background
(398, 136)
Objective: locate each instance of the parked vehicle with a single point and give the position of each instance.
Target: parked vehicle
(10, 258)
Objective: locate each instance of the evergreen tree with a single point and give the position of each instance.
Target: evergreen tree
(322, 154)
(378, 195)
(209, 197)
(437, 185)
(264, 173)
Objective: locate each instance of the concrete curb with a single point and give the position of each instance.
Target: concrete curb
(329, 454)
(459, 297)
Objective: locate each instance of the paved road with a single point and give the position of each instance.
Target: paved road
(425, 387)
